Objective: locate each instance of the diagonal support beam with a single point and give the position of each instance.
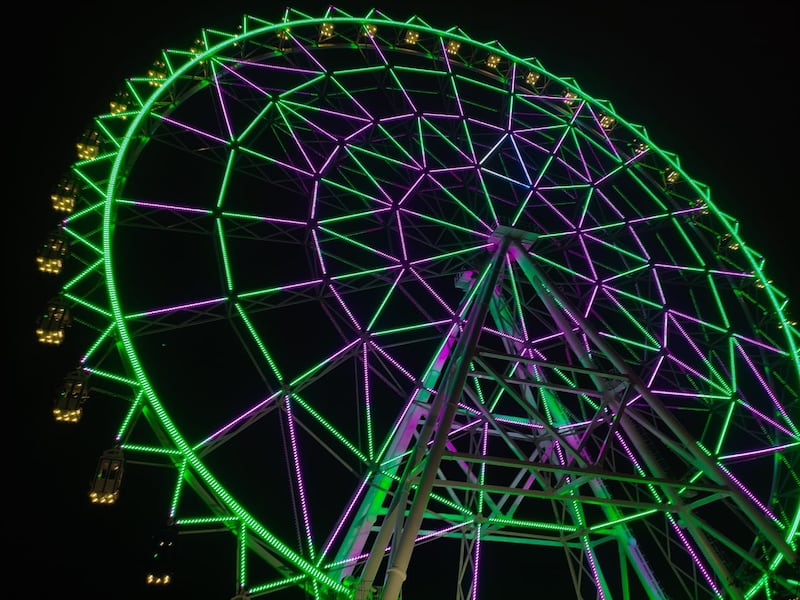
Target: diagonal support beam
(440, 420)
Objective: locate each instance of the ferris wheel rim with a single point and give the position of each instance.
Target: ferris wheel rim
(121, 318)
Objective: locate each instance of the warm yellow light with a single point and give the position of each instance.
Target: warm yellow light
(158, 579)
(326, 30)
(108, 498)
(119, 104)
(198, 47)
(412, 37)
(157, 73)
(67, 416)
(453, 46)
(64, 196)
(493, 60)
(50, 337)
(87, 151)
(49, 265)
(532, 77)
(607, 122)
(569, 97)
(672, 176)
(63, 203)
(117, 107)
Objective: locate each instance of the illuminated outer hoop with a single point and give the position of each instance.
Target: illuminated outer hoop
(370, 284)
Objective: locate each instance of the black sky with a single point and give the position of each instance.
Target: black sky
(713, 83)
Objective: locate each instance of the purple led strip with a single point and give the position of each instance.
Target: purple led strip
(298, 473)
(685, 542)
(781, 409)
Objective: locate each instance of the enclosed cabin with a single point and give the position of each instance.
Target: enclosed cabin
(65, 194)
(71, 396)
(51, 255)
(104, 488)
(88, 145)
(161, 567)
(53, 322)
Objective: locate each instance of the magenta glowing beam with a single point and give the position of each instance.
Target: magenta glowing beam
(318, 251)
(688, 368)
(434, 294)
(170, 207)
(259, 407)
(701, 357)
(237, 74)
(393, 361)
(351, 507)
(672, 313)
(476, 559)
(767, 389)
(224, 107)
(310, 283)
(687, 545)
(203, 134)
(353, 320)
(760, 344)
(298, 145)
(298, 474)
(180, 307)
(765, 418)
(751, 496)
(744, 456)
(275, 68)
(592, 560)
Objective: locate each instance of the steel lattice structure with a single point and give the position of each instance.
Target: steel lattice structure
(379, 294)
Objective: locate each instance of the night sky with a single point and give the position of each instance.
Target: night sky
(713, 84)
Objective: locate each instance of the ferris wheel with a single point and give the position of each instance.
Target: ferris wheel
(379, 296)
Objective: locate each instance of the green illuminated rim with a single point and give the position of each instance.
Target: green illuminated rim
(279, 236)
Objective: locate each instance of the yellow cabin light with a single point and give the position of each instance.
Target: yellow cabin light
(532, 77)
(70, 398)
(117, 108)
(198, 47)
(760, 284)
(570, 97)
(326, 31)
(52, 253)
(607, 122)
(65, 195)
(119, 104)
(283, 34)
(493, 60)
(411, 37)
(104, 488)
(157, 73)
(51, 325)
(88, 146)
(162, 561)
(453, 47)
(729, 242)
(156, 580)
(700, 204)
(671, 175)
